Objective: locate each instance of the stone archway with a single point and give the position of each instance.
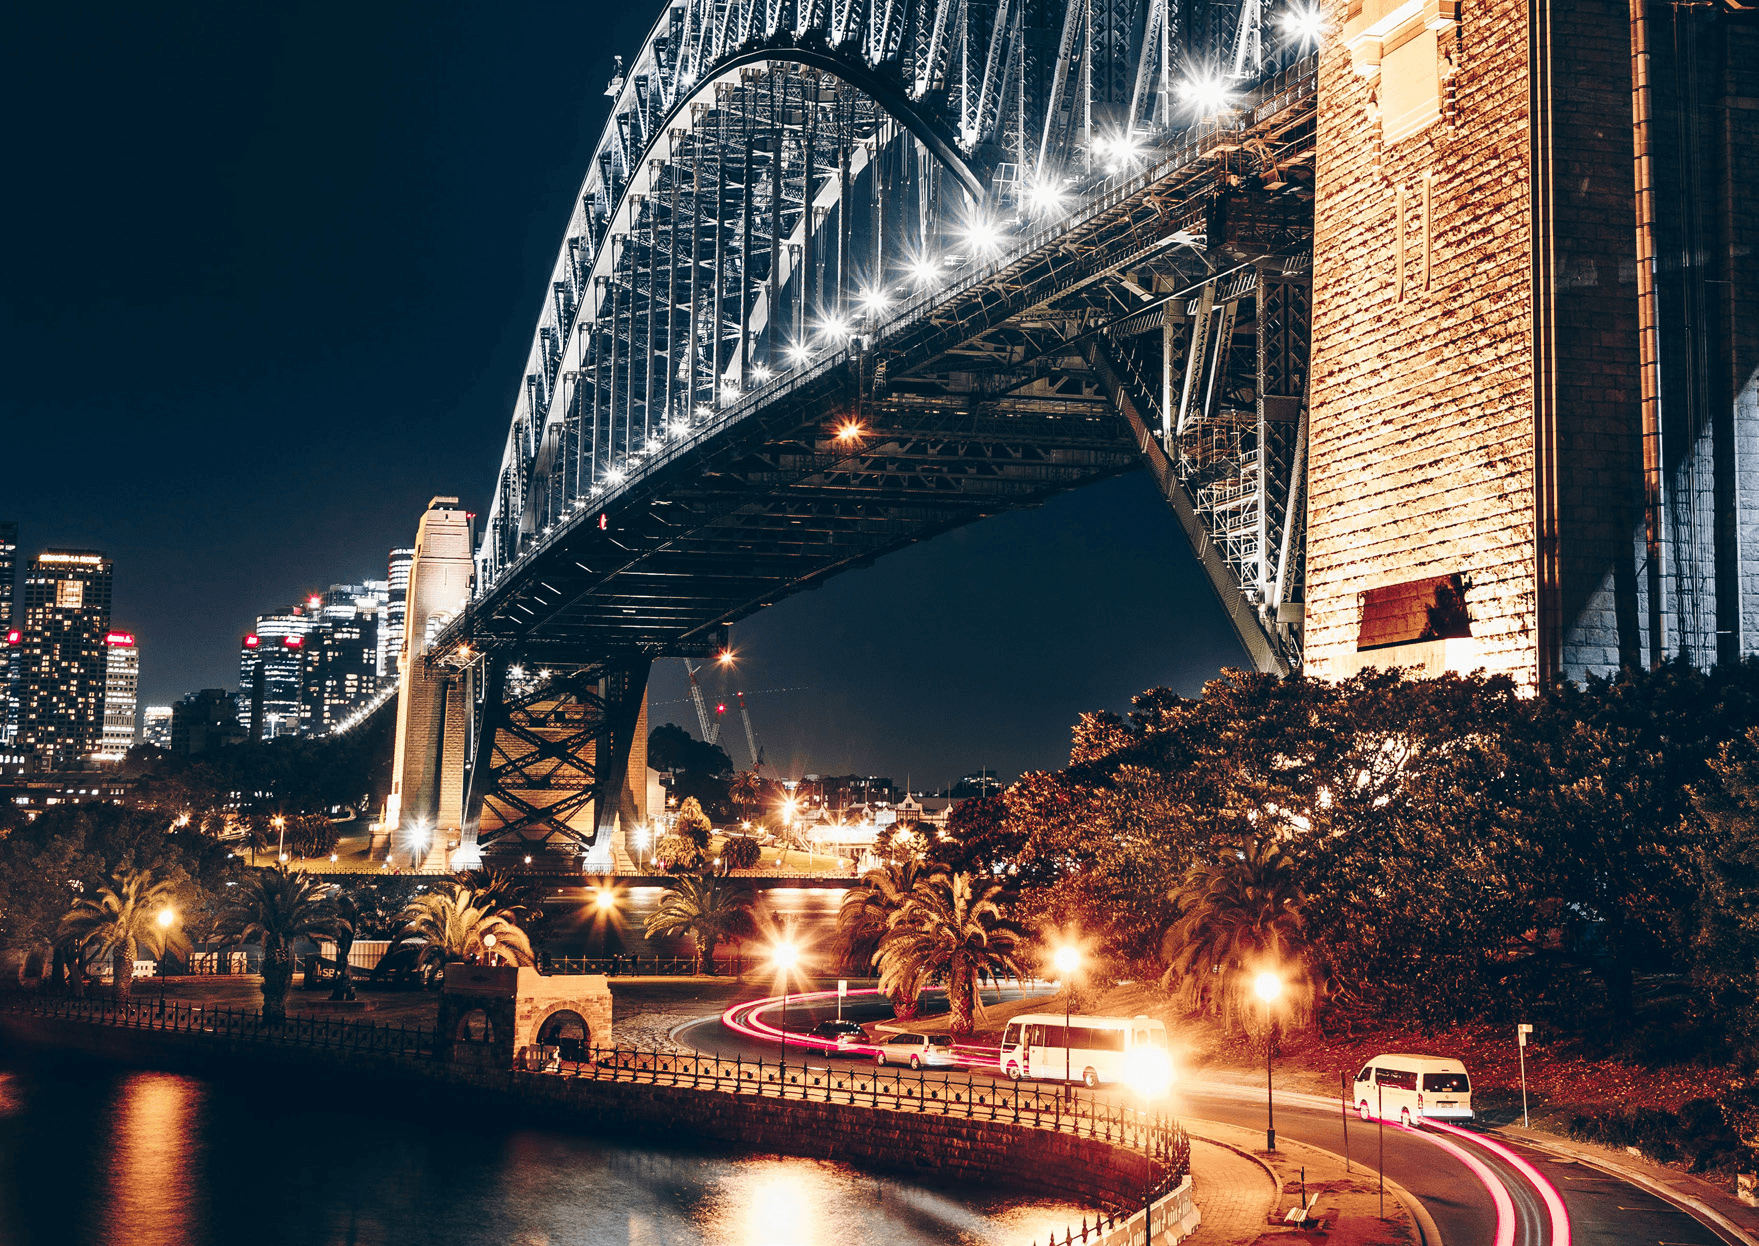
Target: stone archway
(568, 1032)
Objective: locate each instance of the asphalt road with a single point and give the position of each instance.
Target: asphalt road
(1438, 1168)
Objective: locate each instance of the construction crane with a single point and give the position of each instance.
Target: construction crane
(750, 735)
(710, 732)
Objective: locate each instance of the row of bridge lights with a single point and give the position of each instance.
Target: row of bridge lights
(1207, 93)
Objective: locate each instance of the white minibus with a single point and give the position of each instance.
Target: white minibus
(1409, 1088)
(1098, 1049)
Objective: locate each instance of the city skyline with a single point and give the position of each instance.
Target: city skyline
(296, 383)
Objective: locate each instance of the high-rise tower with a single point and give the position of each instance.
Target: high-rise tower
(66, 602)
(121, 694)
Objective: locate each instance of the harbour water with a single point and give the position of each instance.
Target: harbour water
(94, 1155)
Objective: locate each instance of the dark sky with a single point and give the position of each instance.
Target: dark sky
(270, 274)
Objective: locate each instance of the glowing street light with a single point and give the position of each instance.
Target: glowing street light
(983, 236)
(834, 328)
(725, 657)
(280, 824)
(784, 956)
(1269, 988)
(488, 949)
(606, 900)
(759, 373)
(874, 300)
(849, 431)
(925, 271)
(1068, 961)
(1044, 198)
(165, 918)
(799, 352)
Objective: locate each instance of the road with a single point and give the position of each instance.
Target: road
(1472, 1184)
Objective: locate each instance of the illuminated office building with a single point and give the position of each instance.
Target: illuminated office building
(66, 601)
(121, 694)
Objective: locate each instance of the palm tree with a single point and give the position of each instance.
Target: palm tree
(122, 919)
(745, 788)
(708, 907)
(951, 928)
(277, 907)
(452, 927)
(1240, 915)
(347, 923)
(866, 915)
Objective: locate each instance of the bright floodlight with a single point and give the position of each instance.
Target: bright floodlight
(798, 352)
(1044, 198)
(834, 328)
(166, 917)
(1267, 986)
(759, 373)
(874, 299)
(725, 658)
(1067, 960)
(983, 235)
(1305, 24)
(615, 475)
(1206, 93)
(1149, 1072)
(784, 956)
(849, 431)
(925, 271)
(607, 900)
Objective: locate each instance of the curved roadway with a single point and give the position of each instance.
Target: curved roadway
(1480, 1191)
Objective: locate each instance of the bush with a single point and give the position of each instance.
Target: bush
(740, 852)
(1698, 1133)
(311, 835)
(693, 823)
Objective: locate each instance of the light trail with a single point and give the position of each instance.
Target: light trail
(1554, 1203)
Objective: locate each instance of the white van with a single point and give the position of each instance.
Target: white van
(1098, 1049)
(1408, 1089)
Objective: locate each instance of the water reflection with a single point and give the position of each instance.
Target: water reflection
(101, 1157)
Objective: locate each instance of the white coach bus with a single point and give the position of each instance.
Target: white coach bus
(1095, 1049)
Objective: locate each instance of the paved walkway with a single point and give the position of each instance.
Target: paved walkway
(1233, 1193)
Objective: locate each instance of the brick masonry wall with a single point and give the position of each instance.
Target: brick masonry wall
(1421, 426)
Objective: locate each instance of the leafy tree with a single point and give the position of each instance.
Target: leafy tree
(740, 852)
(693, 823)
(1240, 915)
(678, 852)
(347, 920)
(277, 907)
(951, 929)
(708, 907)
(455, 925)
(1725, 971)
(311, 835)
(867, 913)
(671, 747)
(121, 920)
(747, 789)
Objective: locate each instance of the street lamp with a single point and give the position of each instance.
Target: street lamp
(489, 946)
(784, 956)
(165, 918)
(1067, 960)
(606, 900)
(1268, 987)
(280, 825)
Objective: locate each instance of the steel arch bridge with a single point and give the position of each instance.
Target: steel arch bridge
(845, 274)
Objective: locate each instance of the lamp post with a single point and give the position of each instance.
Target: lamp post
(280, 825)
(1150, 1075)
(1067, 961)
(1268, 987)
(488, 949)
(784, 956)
(165, 918)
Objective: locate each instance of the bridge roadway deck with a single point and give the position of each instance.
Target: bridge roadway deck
(986, 404)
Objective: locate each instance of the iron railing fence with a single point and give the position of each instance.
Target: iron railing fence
(172, 1016)
(1055, 1108)
(647, 966)
(1058, 1109)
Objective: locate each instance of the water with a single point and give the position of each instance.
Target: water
(91, 1154)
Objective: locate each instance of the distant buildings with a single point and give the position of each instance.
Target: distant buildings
(121, 693)
(204, 722)
(156, 727)
(396, 608)
(66, 601)
(11, 645)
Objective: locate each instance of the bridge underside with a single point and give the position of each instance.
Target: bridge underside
(1163, 324)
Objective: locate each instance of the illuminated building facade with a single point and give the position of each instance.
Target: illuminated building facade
(396, 607)
(156, 726)
(11, 644)
(342, 655)
(66, 602)
(121, 695)
(274, 654)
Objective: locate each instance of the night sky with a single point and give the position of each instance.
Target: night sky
(270, 275)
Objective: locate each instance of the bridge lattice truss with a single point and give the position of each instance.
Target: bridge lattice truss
(848, 273)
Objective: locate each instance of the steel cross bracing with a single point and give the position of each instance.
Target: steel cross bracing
(1014, 373)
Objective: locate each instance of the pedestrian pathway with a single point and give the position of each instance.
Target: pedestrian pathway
(1234, 1194)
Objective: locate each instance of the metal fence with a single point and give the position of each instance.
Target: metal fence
(238, 1023)
(1058, 1109)
(650, 966)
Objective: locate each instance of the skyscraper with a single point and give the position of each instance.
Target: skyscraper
(397, 602)
(121, 689)
(11, 640)
(66, 615)
(157, 728)
(341, 656)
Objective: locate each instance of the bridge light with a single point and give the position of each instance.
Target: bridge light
(1207, 93)
(834, 328)
(759, 373)
(849, 432)
(983, 236)
(926, 271)
(615, 475)
(1305, 24)
(874, 300)
(799, 353)
(1044, 198)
